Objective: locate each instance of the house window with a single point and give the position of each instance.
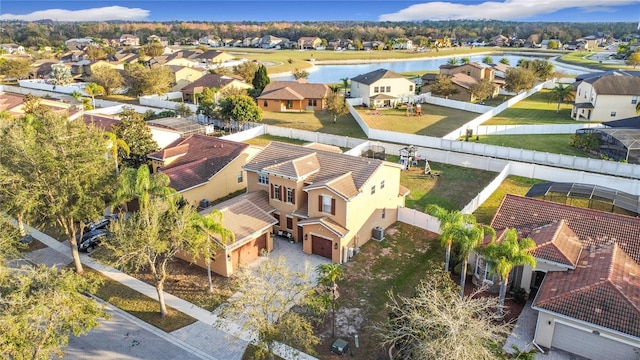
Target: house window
(373, 189)
(276, 192)
(290, 196)
(289, 223)
(265, 103)
(634, 100)
(313, 102)
(327, 204)
(263, 179)
(613, 113)
(411, 88)
(277, 217)
(488, 272)
(376, 89)
(388, 89)
(381, 184)
(240, 177)
(483, 270)
(579, 92)
(384, 213)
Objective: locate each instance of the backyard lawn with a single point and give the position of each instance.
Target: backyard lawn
(319, 121)
(264, 140)
(516, 185)
(536, 109)
(551, 143)
(435, 121)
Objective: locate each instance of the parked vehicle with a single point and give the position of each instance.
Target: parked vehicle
(102, 223)
(90, 240)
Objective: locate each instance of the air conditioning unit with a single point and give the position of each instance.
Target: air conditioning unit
(204, 203)
(378, 233)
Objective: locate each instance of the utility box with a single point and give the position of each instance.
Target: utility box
(340, 347)
(378, 233)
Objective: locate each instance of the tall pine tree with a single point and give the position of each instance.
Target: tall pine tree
(261, 79)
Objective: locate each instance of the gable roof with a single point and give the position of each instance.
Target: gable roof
(212, 54)
(615, 85)
(201, 157)
(210, 81)
(463, 80)
(604, 290)
(294, 90)
(371, 77)
(594, 228)
(556, 242)
(322, 168)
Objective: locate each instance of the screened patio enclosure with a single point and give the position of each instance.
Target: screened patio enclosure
(587, 195)
(617, 143)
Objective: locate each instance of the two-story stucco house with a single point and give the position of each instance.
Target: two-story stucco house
(330, 202)
(382, 88)
(606, 98)
(586, 283)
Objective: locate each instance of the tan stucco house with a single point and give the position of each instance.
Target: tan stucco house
(213, 81)
(586, 283)
(296, 95)
(203, 168)
(382, 88)
(184, 76)
(606, 98)
(330, 202)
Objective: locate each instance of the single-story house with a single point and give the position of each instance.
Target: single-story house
(213, 81)
(298, 95)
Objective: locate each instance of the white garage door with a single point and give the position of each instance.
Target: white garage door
(590, 345)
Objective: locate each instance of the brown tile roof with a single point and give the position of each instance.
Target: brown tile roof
(103, 122)
(210, 81)
(294, 90)
(615, 85)
(245, 215)
(556, 242)
(332, 165)
(300, 167)
(603, 290)
(327, 223)
(342, 185)
(180, 148)
(205, 156)
(371, 77)
(463, 80)
(320, 146)
(10, 101)
(593, 228)
(210, 54)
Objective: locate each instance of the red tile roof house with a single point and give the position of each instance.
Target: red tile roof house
(203, 168)
(296, 95)
(587, 276)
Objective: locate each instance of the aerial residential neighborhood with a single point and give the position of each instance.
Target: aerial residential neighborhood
(414, 184)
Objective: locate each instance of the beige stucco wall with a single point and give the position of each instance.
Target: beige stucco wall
(603, 105)
(527, 272)
(321, 231)
(185, 77)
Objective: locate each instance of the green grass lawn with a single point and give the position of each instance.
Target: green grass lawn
(264, 140)
(551, 143)
(318, 121)
(435, 121)
(516, 185)
(584, 58)
(536, 109)
(453, 189)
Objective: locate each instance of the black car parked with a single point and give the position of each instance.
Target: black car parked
(102, 223)
(91, 239)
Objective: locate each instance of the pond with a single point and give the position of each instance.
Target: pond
(333, 73)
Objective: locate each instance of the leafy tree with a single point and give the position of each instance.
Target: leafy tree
(246, 70)
(241, 109)
(261, 79)
(586, 142)
(269, 292)
(482, 89)
(518, 79)
(208, 102)
(633, 59)
(450, 221)
(443, 86)
(140, 184)
(506, 254)
(210, 226)
(107, 77)
(438, 324)
(561, 93)
(505, 61)
(60, 75)
(135, 133)
(142, 80)
(183, 110)
(336, 105)
(116, 144)
(15, 68)
(93, 90)
(329, 275)
(66, 168)
(41, 307)
(300, 73)
(487, 60)
(553, 44)
(96, 53)
(543, 69)
(468, 237)
(152, 49)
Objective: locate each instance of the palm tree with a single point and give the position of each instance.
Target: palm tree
(345, 85)
(505, 61)
(638, 108)
(142, 185)
(452, 61)
(449, 223)
(77, 95)
(561, 93)
(487, 60)
(210, 225)
(468, 237)
(93, 90)
(465, 60)
(329, 274)
(334, 88)
(116, 144)
(505, 254)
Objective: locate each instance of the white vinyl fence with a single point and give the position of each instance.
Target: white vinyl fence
(164, 101)
(418, 219)
(532, 129)
(475, 203)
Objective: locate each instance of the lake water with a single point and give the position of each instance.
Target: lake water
(333, 73)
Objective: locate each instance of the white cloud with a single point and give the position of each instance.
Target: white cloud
(93, 14)
(495, 10)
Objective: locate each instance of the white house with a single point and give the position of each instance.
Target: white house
(382, 88)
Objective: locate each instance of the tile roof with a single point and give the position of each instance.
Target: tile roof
(10, 101)
(594, 228)
(327, 223)
(245, 215)
(331, 165)
(103, 122)
(556, 242)
(210, 81)
(463, 80)
(342, 185)
(202, 157)
(371, 77)
(615, 85)
(294, 90)
(300, 167)
(603, 290)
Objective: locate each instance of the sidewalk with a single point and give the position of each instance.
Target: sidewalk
(211, 334)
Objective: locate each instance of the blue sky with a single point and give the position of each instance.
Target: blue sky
(321, 10)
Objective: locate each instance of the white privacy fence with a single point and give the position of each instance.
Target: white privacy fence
(454, 104)
(532, 129)
(164, 101)
(311, 136)
(419, 219)
(475, 203)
